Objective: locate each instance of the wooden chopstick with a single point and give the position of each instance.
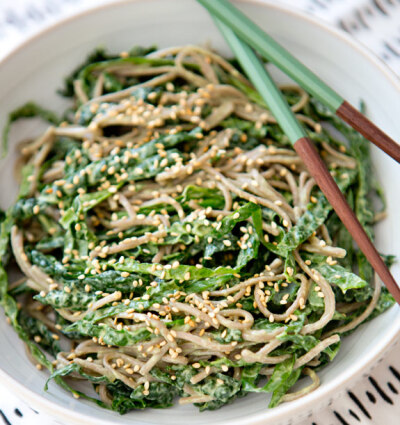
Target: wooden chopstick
(273, 98)
(264, 44)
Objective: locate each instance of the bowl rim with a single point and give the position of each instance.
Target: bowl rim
(306, 403)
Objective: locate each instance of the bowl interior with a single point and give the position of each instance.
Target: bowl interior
(35, 71)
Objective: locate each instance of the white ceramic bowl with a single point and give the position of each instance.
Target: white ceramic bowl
(36, 70)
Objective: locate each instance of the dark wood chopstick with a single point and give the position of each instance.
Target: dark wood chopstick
(317, 168)
(368, 129)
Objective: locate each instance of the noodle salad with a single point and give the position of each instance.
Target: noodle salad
(173, 244)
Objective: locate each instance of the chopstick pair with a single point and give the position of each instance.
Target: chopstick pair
(267, 47)
(273, 98)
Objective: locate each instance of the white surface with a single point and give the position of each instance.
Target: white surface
(377, 411)
(373, 22)
(373, 91)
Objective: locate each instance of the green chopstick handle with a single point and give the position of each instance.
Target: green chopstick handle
(264, 84)
(253, 35)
